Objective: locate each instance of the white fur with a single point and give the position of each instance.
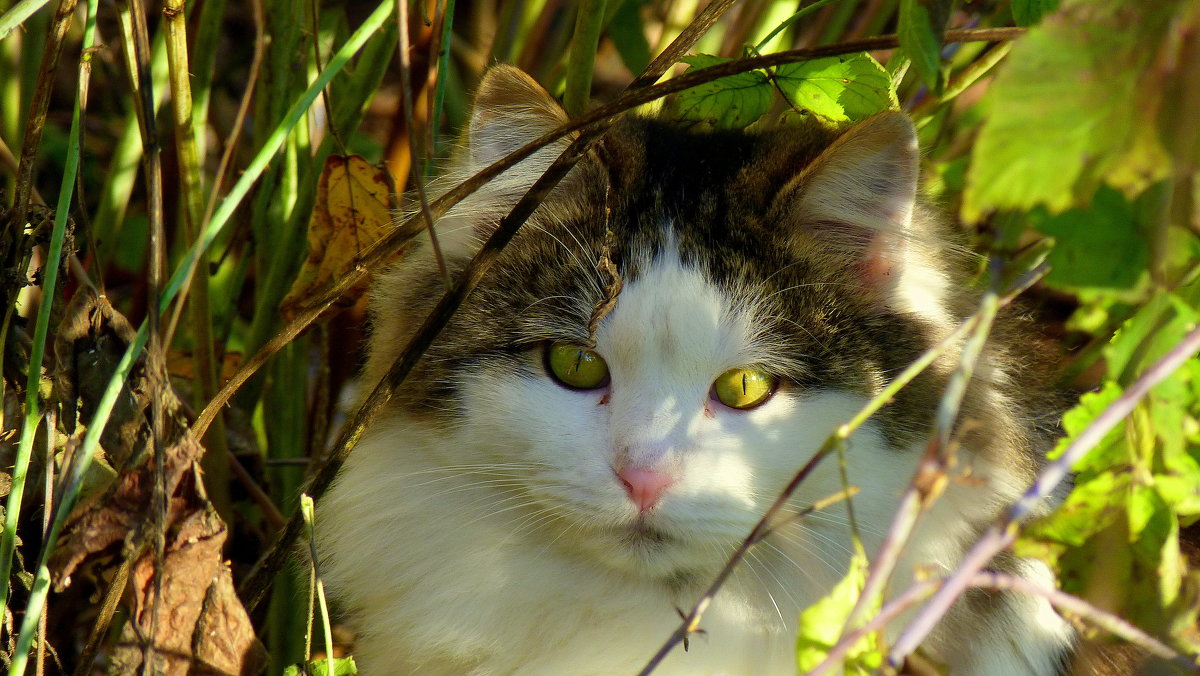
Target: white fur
(494, 546)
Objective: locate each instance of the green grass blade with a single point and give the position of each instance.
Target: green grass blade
(40, 331)
(104, 410)
(582, 58)
(83, 460)
(443, 74)
(17, 14)
(274, 142)
(348, 110)
(800, 14)
(53, 256)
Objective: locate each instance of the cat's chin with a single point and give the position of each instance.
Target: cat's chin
(647, 550)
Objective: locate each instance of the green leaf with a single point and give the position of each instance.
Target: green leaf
(1089, 508)
(1098, 247)
(1110, 451)
(1182, 493)
(838, 88)
(921, 26)
(342, 666)
(730, 102)
(1073, 106)
(1154, 534)
(628, 35)
(1029, 12)
(1149, 334)
(821, 625)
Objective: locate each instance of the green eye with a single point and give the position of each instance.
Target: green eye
(744, 388)
(576, 366)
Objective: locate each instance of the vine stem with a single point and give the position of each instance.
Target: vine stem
(1002, 533)
(931, 474)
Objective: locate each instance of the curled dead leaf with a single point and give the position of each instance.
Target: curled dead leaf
(352, 211)
(202, 627)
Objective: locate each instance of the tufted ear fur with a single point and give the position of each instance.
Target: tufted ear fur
(858, 197)
(511, 109)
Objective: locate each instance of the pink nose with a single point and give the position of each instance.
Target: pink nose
(644, 486)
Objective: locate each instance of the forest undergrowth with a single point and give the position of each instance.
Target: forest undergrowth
(193, 195)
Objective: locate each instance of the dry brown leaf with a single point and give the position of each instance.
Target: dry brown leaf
(352, 211)
(88, 345)
(202, 627)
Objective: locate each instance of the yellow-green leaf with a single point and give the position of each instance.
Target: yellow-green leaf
(821, 625)
(731, 102)
(839, 88)
(1070, 109)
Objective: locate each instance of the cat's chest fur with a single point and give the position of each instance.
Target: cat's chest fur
(514, 513)
(466, 595)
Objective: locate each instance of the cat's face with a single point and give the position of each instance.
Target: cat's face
(707, 470)
(789, 257)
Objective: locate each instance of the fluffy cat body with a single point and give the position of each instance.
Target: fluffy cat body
(482, 526)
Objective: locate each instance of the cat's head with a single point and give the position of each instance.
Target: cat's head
(772, 283)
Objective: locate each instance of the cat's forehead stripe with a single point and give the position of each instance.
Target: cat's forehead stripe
(710, 206)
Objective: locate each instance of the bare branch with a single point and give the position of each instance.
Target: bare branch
(691, 620)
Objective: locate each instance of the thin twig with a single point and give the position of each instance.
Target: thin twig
(890, 610)
(414, 151)
(1073, 605)
(112, 597)
(36, 120)
(383, 249)
(933, 469)
(239, 120)
(1004, 531)
(691, 620)
(139, 63)
(314, 14)
(204, 354)
(830, 445)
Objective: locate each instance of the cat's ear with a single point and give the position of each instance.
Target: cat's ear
(857, 196)
(511, 109)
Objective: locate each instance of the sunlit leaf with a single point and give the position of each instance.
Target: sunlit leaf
(838, 88)
(1106, 453)
(342, 666)
(821, 625)
(1090, 507)
(352, 212)
(1150, 334)
(1067, 107)
(730, 102)
(1096, 247)
(921, 25)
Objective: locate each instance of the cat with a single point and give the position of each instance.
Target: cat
(534, 502)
